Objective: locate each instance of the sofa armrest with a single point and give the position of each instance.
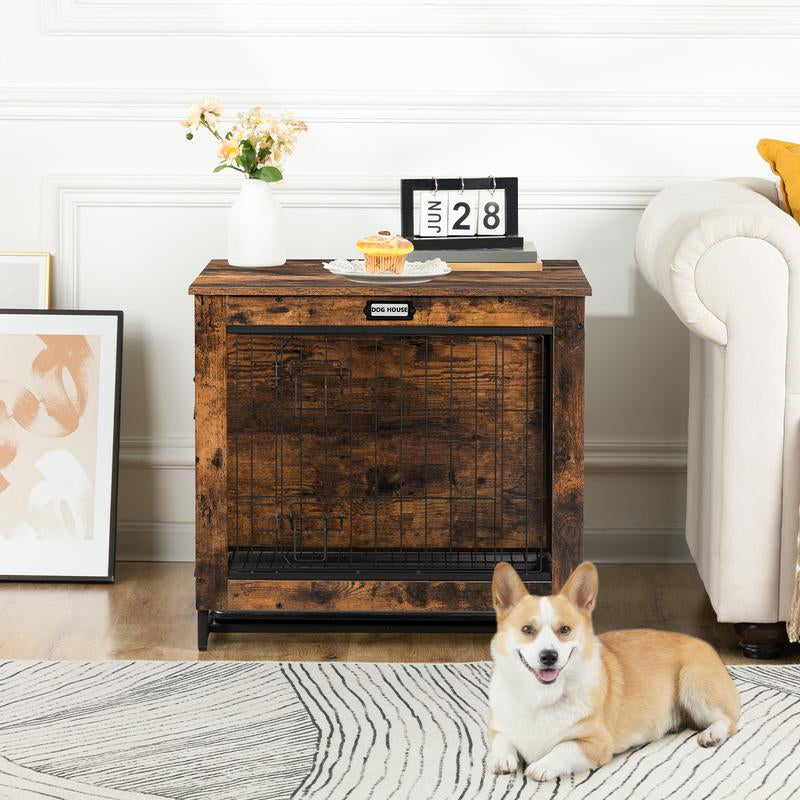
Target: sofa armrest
(684, 221)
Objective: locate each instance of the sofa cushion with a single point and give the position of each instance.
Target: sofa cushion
(784, 159)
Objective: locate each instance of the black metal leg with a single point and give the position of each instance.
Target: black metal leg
(202, 630)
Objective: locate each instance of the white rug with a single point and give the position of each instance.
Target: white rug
(247, 730)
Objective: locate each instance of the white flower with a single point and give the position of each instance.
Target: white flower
(227, 151)
(284, 133)
(211, 107)
(207, 111)
(193, 120)
(262, 130)
(271, 140)
(250, 119)
(229, 147)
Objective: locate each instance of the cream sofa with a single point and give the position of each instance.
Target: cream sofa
(727, 260)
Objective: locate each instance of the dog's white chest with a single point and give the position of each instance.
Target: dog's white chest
(533, 727)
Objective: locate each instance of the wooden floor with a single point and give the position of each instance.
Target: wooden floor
(149, 614)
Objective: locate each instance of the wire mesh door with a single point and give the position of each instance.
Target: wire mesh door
(396, 454)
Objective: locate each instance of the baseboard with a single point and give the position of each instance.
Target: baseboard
(174, 541)
(636, 546)
(155, 541)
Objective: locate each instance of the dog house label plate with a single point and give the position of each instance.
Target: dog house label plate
(389, 309)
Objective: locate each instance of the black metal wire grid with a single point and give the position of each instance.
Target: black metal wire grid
(388, 455)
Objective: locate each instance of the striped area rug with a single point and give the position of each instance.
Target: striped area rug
(263, 731)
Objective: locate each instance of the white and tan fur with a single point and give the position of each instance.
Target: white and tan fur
(602, 694)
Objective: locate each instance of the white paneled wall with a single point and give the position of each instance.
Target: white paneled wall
(595, 106)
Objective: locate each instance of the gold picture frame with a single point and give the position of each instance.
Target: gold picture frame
(14, 296)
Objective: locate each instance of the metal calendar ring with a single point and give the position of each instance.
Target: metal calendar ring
(493, 186)
(461, 190)
(435, 184)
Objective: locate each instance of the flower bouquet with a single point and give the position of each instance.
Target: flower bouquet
(256, 145)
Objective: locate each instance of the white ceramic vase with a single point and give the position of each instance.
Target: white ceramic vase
(255, 228)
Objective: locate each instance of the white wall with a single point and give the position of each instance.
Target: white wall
(594, 106)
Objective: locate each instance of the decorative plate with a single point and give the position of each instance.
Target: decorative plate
(413, 272)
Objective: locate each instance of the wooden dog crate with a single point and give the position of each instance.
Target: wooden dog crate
(358, 469)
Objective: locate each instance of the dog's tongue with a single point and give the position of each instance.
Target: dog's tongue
(546, 675)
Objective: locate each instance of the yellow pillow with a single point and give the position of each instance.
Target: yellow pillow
(784, 158)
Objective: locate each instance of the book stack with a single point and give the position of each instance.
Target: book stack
(506, 259)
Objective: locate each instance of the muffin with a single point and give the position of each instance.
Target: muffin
(384, 252)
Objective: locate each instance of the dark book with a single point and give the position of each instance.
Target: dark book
(495, 255)
(507, 266)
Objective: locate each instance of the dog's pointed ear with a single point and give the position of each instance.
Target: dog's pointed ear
(581, 587)
(507, 588)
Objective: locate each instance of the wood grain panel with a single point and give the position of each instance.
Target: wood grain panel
(307, 277)
(400, 596)
(211, 452)
(484, 311)
(314, 375)
(568, 477)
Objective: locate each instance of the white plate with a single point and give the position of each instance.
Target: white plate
(413, 272)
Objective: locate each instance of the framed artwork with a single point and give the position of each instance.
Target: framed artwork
(24, 280)
(60, 375)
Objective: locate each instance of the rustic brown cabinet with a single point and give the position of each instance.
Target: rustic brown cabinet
(366, 456)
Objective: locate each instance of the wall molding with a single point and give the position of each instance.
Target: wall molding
(174, 541)
(419, 19)
(64, 196)
(155, 541)
(413, 108)
(636, 546)
(635, 456)
(156, 452)
(176, 452)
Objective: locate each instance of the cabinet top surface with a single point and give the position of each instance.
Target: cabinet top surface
(307, 277)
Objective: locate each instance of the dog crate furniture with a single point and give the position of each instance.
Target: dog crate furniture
(365, 456)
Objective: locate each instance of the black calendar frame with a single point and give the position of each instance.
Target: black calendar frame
(512, 239)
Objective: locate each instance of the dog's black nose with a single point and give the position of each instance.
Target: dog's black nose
(548, 657)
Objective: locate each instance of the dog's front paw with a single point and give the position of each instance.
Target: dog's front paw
(501, 763)
(545, 769)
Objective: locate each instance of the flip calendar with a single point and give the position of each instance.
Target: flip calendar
(460, 213)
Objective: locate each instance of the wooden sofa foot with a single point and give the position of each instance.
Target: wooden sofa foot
(763, 639)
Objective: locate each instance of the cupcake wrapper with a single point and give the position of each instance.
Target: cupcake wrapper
(393, 264)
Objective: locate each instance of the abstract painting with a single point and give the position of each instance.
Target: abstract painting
(59, 434)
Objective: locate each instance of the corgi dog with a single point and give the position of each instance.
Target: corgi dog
(564, 700)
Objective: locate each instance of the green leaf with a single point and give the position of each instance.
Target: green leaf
(269, 174)
(248, 156)
(220, 167)
(190, 136)
(229, 134)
